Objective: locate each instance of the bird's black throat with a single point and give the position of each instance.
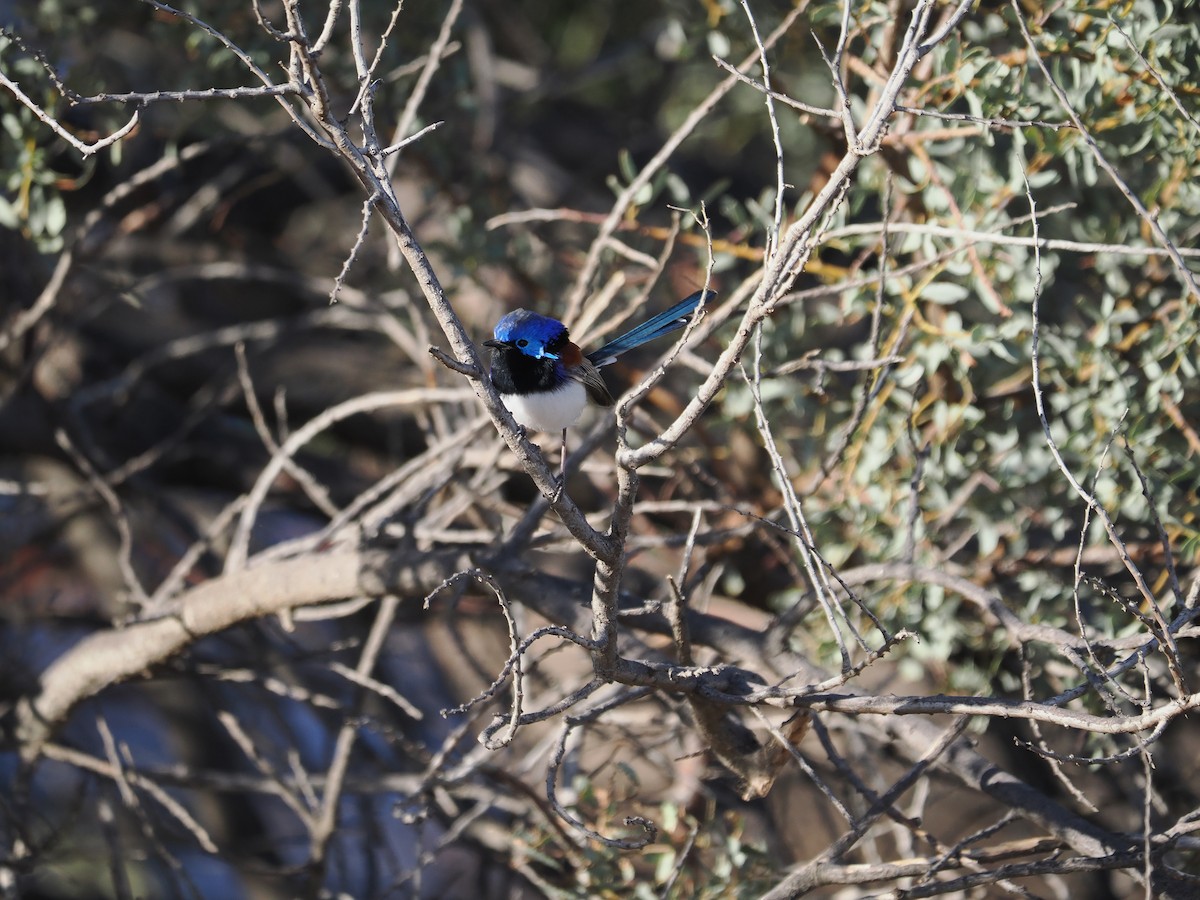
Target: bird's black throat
(514, 372)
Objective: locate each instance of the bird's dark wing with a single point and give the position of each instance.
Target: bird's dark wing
(589, 376)
(581, 369)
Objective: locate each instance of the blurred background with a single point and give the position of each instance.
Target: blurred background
(166, 324)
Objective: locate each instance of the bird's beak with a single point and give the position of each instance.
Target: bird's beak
(497, 345)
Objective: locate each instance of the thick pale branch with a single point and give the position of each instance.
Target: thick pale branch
(114, 655)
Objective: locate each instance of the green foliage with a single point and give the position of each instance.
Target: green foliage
(706, 858)
(1118, 331)
(31, 199)
(938, 458)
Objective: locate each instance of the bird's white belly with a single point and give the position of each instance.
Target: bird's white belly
(548, 410)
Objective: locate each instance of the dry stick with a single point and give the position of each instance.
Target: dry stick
(386, 691)
(681, 859)
(649, 830)
(995, 123)
(625, 199)
(145, 782)
(302, 64)
(957, 851)
(892, 705)
(809, 771)
(314, 490)
(248, 61)
(948, 25)
(356, 44)
(1139, 646)
(769, 102)
(84, 149)
(803, 537)
(775, 95)
(1148, 802)
(331, 17)
(794, 249)
(881, 804)
(226, 781)
(1039, 745)
(584, 328)
(511, 665)
(379, 51)
(515, 655)
(131, 802)
(147, 97)
(1188, 277)
(1163, 539)
(239, 550)
(1005, 240)
(40, 58)
(133, 584)
(779, 271)
(1163, 631)
(867, 873)
(1111, 686)
(1054, 756)
(359, 240)
(1156, 75)
(171, 584)
(323, 824)
(78, 245)
(964, 235)
(835, 70)
(438, 468)
(292, 797)
(553, 711)
(436, 54)
(408, 116)
(271, 684)
(116, 856)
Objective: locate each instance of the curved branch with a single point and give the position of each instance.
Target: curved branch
(118, 654)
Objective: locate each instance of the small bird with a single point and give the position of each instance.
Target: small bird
(546, 381)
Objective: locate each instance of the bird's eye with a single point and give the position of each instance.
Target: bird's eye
(522, 343)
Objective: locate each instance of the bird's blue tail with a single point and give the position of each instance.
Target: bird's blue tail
(664, 323)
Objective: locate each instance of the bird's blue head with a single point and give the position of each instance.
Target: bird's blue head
(537, 336)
